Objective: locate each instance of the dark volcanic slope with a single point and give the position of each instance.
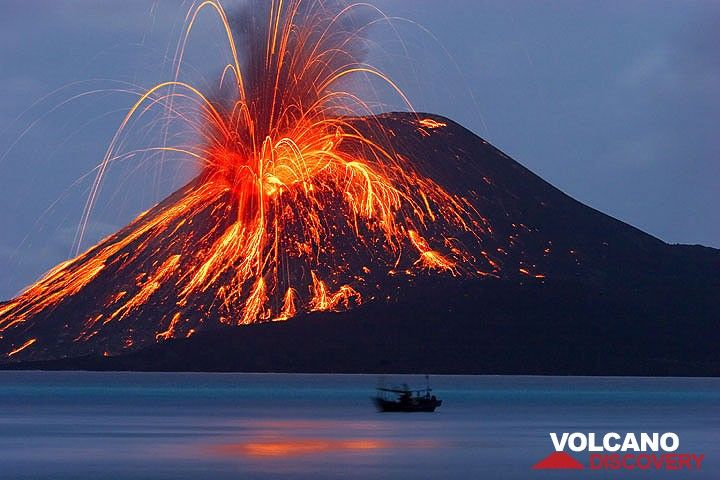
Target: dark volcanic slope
(540, 227)
(562, 275)
(494, 328)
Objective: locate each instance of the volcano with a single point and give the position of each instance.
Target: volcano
(530, 278)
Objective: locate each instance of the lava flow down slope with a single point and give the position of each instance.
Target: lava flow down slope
(306, 201)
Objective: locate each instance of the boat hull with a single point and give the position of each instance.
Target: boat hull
(416, 405)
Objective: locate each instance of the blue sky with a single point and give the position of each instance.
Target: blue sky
(616, 103)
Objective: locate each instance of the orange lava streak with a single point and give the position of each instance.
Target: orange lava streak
(289, 307)
(320, 295)
(155, 281)
(51, 290)
(254, 307)
(430, 123)
(429, 258)
(170, 331)
(323, 299)
(22, 347)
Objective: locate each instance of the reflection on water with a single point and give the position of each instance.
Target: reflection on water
(173, 426)
(296, 446)
(279, 438)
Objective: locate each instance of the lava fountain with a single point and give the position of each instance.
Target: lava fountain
(301, 202)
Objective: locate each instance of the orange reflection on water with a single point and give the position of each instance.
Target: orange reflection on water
(306, 446)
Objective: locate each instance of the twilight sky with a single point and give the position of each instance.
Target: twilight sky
(615, 102)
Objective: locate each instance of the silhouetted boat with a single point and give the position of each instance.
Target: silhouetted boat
(406, 400)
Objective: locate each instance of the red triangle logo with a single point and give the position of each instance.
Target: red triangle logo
(558, 461)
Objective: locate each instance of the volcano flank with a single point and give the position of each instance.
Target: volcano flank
(532, 282)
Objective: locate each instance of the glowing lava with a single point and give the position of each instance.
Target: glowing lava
(302, 192)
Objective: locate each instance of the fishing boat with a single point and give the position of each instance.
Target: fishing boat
(403, 399)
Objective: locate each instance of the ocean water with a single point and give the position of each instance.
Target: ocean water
(80, 425)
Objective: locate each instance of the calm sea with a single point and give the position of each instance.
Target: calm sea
(77, 425)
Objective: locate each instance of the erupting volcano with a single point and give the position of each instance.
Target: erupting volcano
(302, 203)
(306, 199)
